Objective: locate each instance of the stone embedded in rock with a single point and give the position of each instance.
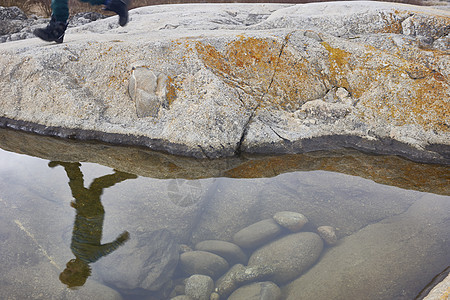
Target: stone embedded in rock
(204, 263)
(257, 291)
(257, 234)
(148, 91)
(231, 252)
(199, 287)
(328, 234)
(291, 220)
(288, 256)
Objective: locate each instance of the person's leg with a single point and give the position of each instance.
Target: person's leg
(60, 10)
(120, 7)
(54, 32)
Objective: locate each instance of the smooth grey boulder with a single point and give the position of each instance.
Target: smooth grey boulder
(199, 287)
(396, 257)
(289, 256)
(291, 220)
(257, 291)
(231, 252)
(257, 234)
(204, 263)
(146, 262)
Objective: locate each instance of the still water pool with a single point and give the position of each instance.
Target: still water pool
(94, 221)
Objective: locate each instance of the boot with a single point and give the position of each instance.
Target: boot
(54, 32)
(120, 7)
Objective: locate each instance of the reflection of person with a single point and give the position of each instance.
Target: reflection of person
(87, 230)
(54, 32)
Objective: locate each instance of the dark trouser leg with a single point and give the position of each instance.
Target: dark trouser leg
(60, 10)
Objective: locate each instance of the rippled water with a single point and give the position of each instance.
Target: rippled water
(113, 214)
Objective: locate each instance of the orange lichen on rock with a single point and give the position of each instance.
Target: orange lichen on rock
(392, 23)
(395, 89)
(263, 68)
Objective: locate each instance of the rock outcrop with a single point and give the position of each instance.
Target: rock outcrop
(226, 79)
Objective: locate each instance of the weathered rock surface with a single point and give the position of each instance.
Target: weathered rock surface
(440, 291)
(288, 257)
(257, 234)
(257, 291)
(203, 263)
(263, 78)
(231, 252)
(346, 271)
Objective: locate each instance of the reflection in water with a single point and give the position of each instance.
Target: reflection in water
(88, 227)
(398, 237)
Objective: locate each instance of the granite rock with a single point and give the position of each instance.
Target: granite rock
(232, 80)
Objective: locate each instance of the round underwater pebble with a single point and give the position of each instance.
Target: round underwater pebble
(257, 234)
(289, 256)
(214, 296)
(291, 220)
(204, 263)
(199, 287)
(231, 252)
(257, 291)
(181, 297)
(328, 234)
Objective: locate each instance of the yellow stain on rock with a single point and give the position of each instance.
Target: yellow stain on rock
(398, 90)
(265, 69)
(388, 86)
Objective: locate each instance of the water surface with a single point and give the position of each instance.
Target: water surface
(136, 206)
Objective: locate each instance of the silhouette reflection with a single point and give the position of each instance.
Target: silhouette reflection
(88, 227)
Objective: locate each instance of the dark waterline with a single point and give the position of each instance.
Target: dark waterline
(154, 196)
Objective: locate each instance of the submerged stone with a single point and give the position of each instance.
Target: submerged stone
(204, 263)
(199, 287)
(290, 220)
(396, 256)
(257, 291)
(289, 256)
(257, 234)
(231, 252)
(328, 234)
